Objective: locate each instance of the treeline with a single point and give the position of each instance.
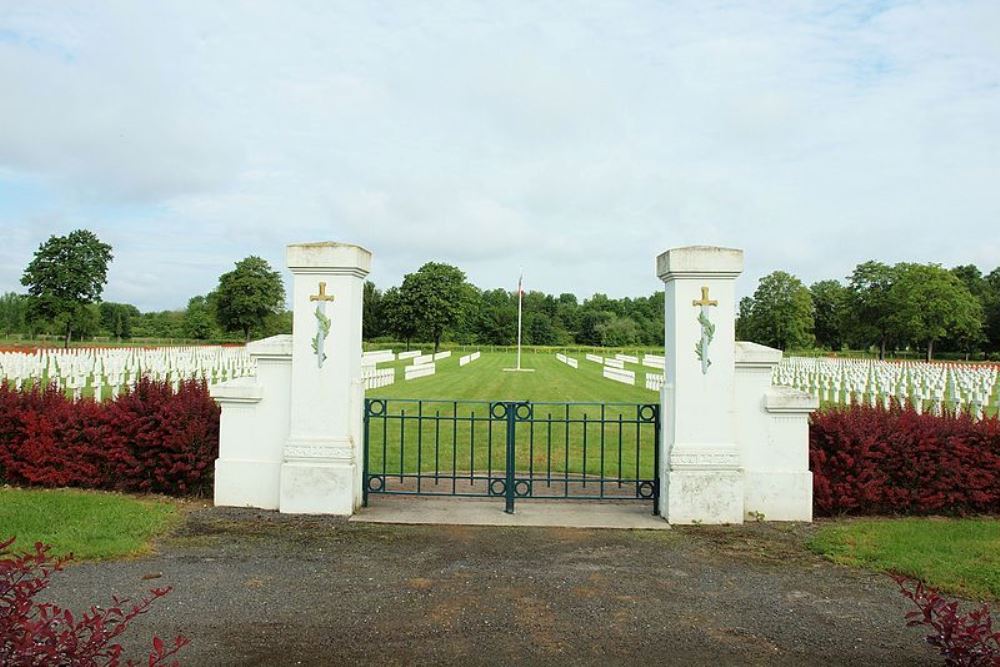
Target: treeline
(66, 277)
(921, 307)
(437, 303)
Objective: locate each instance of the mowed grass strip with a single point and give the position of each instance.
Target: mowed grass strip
(91, 525)
(958, 556)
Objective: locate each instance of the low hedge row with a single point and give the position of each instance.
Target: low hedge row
(869, 460)
(150, 439)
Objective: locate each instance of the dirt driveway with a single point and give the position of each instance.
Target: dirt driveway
(256, 587)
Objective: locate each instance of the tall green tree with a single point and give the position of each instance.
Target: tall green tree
(399, 317)
(373, 320)
(830, 299)
(928, 303)
(67, 274)
(200, 318)
(869, 305)
(991, 306)
(248, 294)
(434, 295)
(780, 314)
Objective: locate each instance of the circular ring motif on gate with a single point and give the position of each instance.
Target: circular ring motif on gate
(522, 488)
(523, 411)
(376, 408)
(645, 490)
(498, 487)
(647, 413)
(376, 483)
(498, 410)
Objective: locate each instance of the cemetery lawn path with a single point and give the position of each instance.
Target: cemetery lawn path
(959, 556)
(261, 588)
(91, 525)
(486, 380)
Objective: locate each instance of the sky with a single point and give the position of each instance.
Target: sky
(573, 140)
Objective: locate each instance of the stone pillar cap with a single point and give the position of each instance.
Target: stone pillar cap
(329, 257)
(699, 261)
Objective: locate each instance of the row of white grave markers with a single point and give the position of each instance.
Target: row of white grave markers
(569, 361)
(928, 387)
(619, 374)
(419, 371)
(468, 358)
(654, 381)
(105, 372)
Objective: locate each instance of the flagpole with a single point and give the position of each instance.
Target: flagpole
(520, 298)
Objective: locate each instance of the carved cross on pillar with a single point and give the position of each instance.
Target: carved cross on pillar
(707, 329)
(322, 323)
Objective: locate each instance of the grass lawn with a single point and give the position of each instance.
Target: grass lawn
(960, 556)
(89, 524)
(486, 380)
(442, 423)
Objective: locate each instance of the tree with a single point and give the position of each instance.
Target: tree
(399, 318)
(199, 318)
(829, 307)
(434, 294)
(497, 320)
(66, 274)
(13, 313)
(928, 303)
(991, 306)
(868, 304)
(116, 318)
(619, 332)
(248, 294)
(373, 321)
(780, 314)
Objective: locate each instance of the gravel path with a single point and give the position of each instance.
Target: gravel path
(261, 588)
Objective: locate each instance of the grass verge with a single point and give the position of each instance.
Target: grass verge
(959, 556)
(91, 525)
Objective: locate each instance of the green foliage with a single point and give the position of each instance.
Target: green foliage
(200, 319)
(399, 315)
(116, 319)
(249, 294)
(780, 314)
(373, 323)
(869, 305)
(830, 304)
(928, 303)
(13, 314)
(434, 294)
(66, 274)
(619, 332)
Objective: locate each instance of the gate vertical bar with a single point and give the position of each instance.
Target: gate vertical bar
(511, 458)
(364, 454)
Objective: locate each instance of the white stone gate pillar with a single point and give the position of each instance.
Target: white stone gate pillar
(322, 458)
(701, 480)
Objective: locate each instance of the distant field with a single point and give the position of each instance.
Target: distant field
(486, 380)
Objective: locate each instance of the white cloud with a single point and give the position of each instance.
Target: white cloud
(577, 144)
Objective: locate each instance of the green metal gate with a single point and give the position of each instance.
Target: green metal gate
(512, 450)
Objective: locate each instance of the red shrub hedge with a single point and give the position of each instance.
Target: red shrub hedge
(869, 460)
(149, 439)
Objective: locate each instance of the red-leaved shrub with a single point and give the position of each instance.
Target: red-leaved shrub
(149, 439)
(966, 640)
(871, 460)
(42, 633)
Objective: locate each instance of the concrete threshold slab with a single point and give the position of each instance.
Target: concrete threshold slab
(476, 512)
